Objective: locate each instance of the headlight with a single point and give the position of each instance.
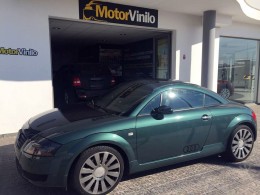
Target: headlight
(41, 147)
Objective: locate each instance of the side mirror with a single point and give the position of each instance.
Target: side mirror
(158, 113)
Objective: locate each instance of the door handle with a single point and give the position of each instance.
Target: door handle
(205, 117)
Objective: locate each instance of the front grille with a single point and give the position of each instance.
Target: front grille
(24, 135)
(29, 133)
(21, 139)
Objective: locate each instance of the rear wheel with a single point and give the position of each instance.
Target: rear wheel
(225, 93)
(98, 170)
(240, 144)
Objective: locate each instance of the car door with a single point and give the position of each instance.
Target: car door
(182, 132)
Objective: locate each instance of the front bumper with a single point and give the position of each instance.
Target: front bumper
(30, 176)
(42, 171)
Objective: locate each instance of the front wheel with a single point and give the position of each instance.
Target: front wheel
(240, 144)
(98, 170)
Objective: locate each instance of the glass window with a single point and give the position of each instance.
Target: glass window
(237, 68)
(210, 101)
(194, 98)
(131, 97)
(171, 98)
(124, 97)
(162, 57)
(179, 99)
(154, 103)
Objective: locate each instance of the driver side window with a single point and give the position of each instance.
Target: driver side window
(154, 103)
(180, 99)
(172, 99)
(177, 99)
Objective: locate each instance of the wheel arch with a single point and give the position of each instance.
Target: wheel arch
(122, 153)
(241, 120)
(251, 126)
(122, 146)
(233, 156)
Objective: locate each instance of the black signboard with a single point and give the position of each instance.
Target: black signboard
(117, 13)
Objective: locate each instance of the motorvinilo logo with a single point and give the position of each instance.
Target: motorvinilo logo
(117, 13)
(18, 51)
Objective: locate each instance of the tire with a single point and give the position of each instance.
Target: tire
(98, 171)
(240, 144)
(225, 93)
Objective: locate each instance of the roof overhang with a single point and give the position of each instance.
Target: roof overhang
(251, 8)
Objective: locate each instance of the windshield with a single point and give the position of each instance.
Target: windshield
(124, 97)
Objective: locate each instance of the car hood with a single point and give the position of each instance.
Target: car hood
(60, 117)
(76, 122)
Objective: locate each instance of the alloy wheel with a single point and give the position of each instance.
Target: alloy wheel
(242, 143)
(225, 93)
(99, 173)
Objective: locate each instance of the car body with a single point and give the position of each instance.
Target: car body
(139, 125)
(73, 83)
(225, 88)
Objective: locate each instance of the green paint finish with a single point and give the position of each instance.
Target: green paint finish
(146, 141)
(169, 136)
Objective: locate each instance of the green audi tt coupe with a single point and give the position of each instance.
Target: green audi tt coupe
(137, 126)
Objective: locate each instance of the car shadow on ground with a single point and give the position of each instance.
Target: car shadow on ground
(249, 166)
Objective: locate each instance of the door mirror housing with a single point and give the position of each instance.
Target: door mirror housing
(158, 113)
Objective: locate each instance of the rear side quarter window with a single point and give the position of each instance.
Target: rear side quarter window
(194, 98)
(210, 101)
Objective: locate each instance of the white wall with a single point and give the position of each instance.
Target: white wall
(188, 42)
(25, 81)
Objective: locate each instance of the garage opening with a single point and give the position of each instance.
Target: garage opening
(88, 58)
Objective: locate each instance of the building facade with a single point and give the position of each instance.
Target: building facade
(207, 47)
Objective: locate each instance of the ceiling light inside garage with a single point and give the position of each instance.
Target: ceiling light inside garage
(251, 8)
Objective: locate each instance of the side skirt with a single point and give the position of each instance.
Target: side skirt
(206, 151)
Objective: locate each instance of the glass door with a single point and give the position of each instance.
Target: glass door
(163, 57)
(238, 67)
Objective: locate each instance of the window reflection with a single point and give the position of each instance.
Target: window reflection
(237, 68)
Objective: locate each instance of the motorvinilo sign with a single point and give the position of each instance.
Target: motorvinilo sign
(117, 13)
(18, 51)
